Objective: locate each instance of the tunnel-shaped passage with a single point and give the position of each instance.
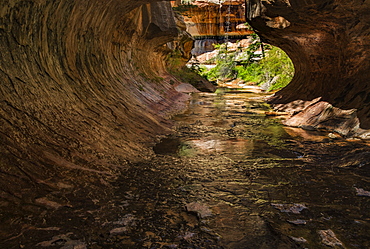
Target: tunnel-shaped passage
(85, 89)
(73, 77)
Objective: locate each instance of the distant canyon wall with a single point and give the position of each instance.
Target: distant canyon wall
(214, 18)
(211, 22)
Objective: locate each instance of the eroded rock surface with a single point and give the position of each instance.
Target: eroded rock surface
(83, 88)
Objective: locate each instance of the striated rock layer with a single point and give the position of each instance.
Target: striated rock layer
(214, 18)
(213, 22)
(83, 89)
(328, 42)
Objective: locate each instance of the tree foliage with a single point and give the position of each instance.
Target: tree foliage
(276, 64)
(251, 65)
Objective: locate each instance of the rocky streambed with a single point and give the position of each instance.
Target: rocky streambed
(229, 176)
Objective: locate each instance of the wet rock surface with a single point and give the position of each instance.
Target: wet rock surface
(215, 182)
(362, 192)
(330, 239)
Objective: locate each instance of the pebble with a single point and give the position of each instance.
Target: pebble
(333, 136)
(298, 222)
(118, 230)
(290, 208)
(299, 240)
(362, 192)
(200, 209)
(188, 235)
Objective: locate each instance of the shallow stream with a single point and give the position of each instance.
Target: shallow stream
(227, 177)
(232, 177)
(265, 185)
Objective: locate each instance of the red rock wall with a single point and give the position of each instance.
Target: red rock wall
(211, 19)
(83, 89)
(328, 41)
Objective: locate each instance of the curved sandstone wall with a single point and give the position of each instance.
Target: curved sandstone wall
(328, 41)
(83, 88)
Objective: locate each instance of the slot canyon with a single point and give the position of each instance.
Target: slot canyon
(88, 89)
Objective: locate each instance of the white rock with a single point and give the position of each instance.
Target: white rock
(299, 240)
(362, 192)
(290, 208)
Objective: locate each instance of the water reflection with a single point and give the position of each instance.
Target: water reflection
(244, 164)
(228, 177)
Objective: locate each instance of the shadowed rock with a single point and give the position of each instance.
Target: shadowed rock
(84, 87)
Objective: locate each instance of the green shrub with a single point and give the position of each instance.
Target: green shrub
(225, 65)
(277, 63)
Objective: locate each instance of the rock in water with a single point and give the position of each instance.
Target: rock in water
(290, 208)
(200, 209)
(362, 192)
(118, 230)
(328, 238)
(298, 222)
(299, 240)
